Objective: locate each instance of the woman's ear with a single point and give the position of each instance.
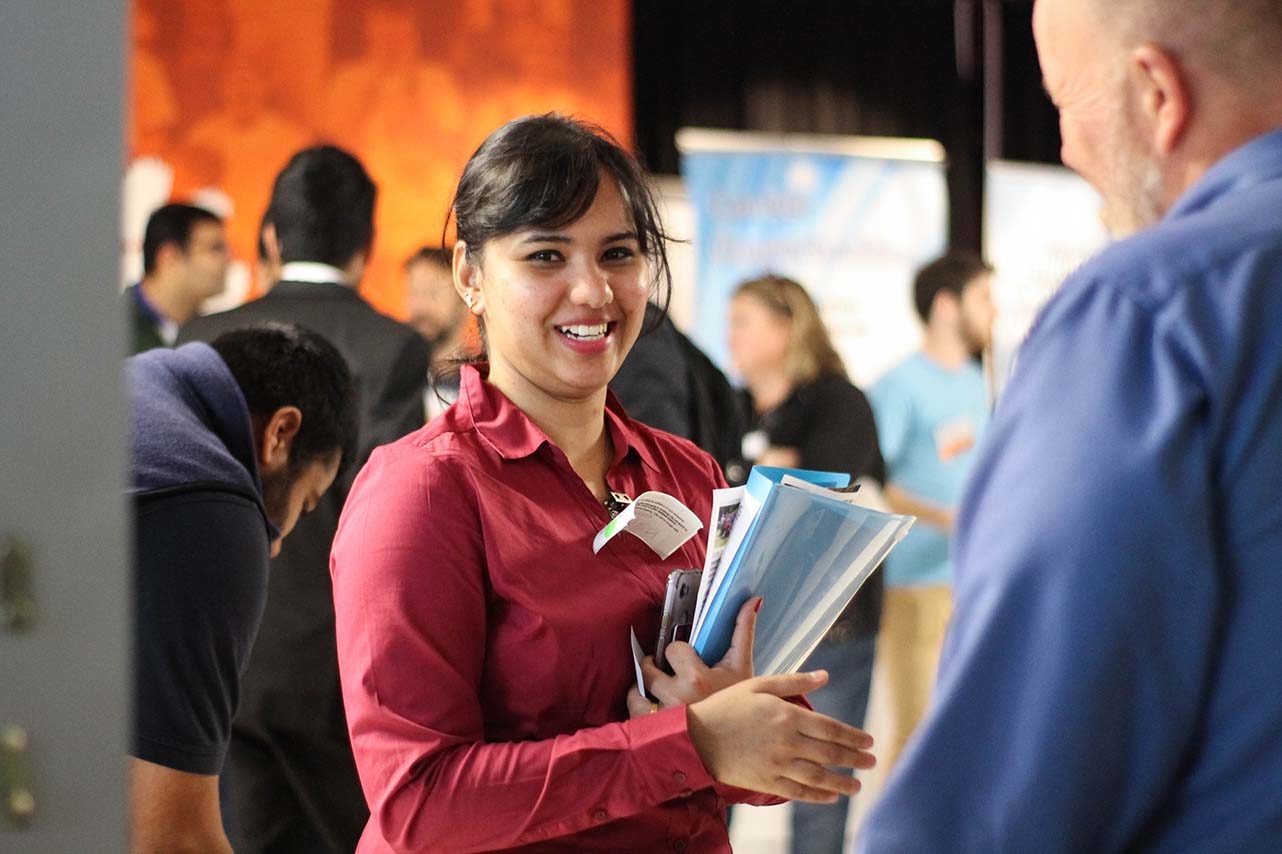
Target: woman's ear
(277, 439)
(467, 279)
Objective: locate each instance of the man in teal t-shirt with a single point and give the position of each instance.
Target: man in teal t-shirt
(930, 409)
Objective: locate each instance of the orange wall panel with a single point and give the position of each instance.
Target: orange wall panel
(224, 91)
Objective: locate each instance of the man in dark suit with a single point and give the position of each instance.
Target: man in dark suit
(293, 783)
(184, 263)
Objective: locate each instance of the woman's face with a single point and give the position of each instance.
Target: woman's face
(758, 339)
(562, 306)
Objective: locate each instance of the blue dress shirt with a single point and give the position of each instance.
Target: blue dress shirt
(1112, 678)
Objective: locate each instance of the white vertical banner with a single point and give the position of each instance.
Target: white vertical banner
(850, 218)
(1040, 223)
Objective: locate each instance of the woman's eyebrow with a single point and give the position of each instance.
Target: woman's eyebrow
(562, 238)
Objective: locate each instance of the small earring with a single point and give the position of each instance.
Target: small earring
(467, 298)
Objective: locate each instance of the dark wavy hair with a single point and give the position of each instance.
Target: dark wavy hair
(281, 364)
(544, 172)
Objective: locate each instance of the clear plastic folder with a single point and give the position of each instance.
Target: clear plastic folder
(806, 551)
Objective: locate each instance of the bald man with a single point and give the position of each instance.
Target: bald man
(1112, 678)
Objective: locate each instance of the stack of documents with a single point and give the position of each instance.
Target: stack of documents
(803, 547)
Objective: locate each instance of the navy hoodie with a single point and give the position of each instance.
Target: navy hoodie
(190, 426)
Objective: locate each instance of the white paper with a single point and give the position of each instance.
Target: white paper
(660, 521)
(726, 504)
(636, 661)
(749, 507)
(807, 486)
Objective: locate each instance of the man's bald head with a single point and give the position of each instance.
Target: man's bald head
(1238, 40)
(1152, 93)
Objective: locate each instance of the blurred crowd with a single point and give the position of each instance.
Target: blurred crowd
(1073, 634)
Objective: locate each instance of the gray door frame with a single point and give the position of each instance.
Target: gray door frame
(62, 416)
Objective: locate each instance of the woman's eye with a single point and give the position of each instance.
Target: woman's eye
(619, 253)
(544, 255)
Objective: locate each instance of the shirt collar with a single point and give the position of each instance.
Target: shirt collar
(503, 426)
(166, 327)
(312, 271)
(624, 433)
(1257, 161)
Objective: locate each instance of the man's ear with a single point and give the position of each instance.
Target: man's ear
(277, 438)
(945, 306)
(467, 275)
(355, 268)
(168, 254)
(271, 242)
(1163, 99)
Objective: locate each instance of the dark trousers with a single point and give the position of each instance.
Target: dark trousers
(293, 792)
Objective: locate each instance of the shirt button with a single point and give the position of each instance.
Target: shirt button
(679, 777)
(599, 814)
(679, 845)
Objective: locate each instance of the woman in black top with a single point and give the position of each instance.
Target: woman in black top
(806, 414)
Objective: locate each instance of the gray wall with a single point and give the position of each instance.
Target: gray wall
(61, 411)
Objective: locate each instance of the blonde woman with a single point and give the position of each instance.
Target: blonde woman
(805, 413)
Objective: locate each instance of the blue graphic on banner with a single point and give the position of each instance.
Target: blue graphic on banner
(851, 229)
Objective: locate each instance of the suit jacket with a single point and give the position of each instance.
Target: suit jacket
(292, 677)
(143, 334)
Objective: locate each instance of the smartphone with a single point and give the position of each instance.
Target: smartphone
(678, 612)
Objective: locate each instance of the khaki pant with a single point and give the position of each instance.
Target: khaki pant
(913, 622)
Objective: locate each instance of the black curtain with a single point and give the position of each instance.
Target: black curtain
(1030, 126)
(911, 68)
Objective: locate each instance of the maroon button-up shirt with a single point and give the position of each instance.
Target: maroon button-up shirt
(484, 648)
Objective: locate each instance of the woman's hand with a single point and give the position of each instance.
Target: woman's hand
(750, 737)
(693, 680)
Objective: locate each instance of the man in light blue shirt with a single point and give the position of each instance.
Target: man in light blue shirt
(1110, 681)
(931, 410)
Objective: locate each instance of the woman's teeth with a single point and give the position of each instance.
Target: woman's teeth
(585, 333)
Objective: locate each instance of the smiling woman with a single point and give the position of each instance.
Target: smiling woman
(560, 245)
(482, 642)
(568, 304)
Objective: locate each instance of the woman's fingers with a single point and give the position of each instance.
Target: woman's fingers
(814, 776)
(638, 706)
(828, 753)
(651, 673)
(691, 680)
(667, 689)
(785, 787)
(685, 662)
(697, 679)
(823, 728)
(788, 684)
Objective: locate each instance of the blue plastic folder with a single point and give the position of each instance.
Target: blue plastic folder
(807, 555)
